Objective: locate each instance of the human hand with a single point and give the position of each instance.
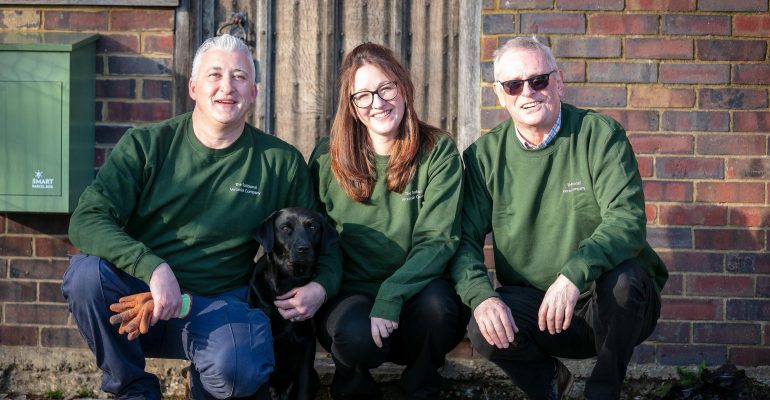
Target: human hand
(382, 328)
(558, 306)
(301, 303)
(165, 293)
(495, 322)
(134, 313)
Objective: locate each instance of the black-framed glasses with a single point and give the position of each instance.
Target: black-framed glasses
(365, 98)
(537, 82)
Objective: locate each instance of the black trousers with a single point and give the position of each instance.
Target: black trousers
(619, 311)
(431, 324)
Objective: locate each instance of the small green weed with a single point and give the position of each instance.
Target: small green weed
(54, 394)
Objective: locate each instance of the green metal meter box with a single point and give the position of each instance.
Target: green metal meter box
(47, 88)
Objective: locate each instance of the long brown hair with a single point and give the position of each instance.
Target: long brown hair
(350, 149)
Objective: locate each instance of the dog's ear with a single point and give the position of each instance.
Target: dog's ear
(329, 235)
(264, 235)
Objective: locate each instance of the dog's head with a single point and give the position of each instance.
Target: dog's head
(294, 238)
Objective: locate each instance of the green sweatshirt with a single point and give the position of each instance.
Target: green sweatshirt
(163, 196)
(396, 243)
(575, 207)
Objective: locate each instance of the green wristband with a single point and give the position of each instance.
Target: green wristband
(186, 306)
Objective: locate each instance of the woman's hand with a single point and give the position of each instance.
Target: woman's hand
(382, 328)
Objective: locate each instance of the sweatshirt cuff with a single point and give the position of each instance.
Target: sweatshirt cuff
(481, 293)
(577, 273)
(145, 266)
(386, 309)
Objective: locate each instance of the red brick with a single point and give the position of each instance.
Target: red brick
(643, 354)
(748, 263)
(544, 23)
(671, 332)
(574, 71)
(763, 287)
(17, 291)
(670, 237)
(750, 216)
(595, 96)
(661, 144)
(139, 66)
(118, 43)
(688, 24)
(731, 145)
(153, 89)
(720, 285)
(20, 19)
(656, 96)
(753, 74)
(732, 50)
(732, 5)
(689, 355)
(18, 335)
(730, 192)
(49, 224)
(2, 223)
(488, 46)
(627, 72)
(646, 170)
(526, 4)
(490, 4)
(751, 25)
(750, 356)
(142, 112)
(590, 4)
(689, 168)
(37, 268)
(707, 121)
(622, 24)
(752, 168)
(46, 246)
(695, 73)
(748, 310)
(729, 239)
(726, 333)
(693, 214)
(659, 48)
(490, 118)
(586, 47)
(75, 20)
(660, 5)
(690, 309)
(62, 337)
(751, 121)
(50, 292)
(635, 120)
(488, 97)
(116, 88)
(19, 246)
(100, 155)
(141, 20)
(674, 286)
(692, 261)
(163, 44)
(40, 314)
(668, 191)
(496, 24)
(732, 98)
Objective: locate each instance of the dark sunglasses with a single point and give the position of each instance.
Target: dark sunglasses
(515, 86)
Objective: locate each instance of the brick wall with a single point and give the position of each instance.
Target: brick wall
(689, 80)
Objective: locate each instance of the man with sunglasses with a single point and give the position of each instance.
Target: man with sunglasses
(559, 189)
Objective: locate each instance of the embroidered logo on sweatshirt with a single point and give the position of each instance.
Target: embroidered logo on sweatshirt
(572, 187)
(411, 195)
(245, 188)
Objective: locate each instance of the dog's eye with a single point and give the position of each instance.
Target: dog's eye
(311, 227)
(285, 228)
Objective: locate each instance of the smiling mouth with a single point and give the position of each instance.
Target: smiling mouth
(531, 105)
(227, 102)
(381, 115)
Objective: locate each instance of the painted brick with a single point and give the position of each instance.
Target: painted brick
(50, 292)
(590, 4)
(691, 354)
(730, 192)
(656, 96)
(118, 43)
(671, 332)
(751, 25)
(37, 268)
(659, 48)
(724, 239)
(163, 44)
(689, 168)
(16, 245)
(693, 214)
(47, 246)
(18, 335)
(732, 50)
(116, 88)
(684, 24)
(720, 285)
(20, 19)
(732, 5)
(732, 98)
(751, 121)
(526, 4)
(754, 74)
(662, 144)
(109, 134)
(695, 73)
(488, 47)
(42, 314)
(49, 224)
(574, 71)
(17, 291)
(495, 24)
(752, 168)
(668, 191)
(748, 263)
(726, 333)
(730, 145)
(622, 72)
(750, 356)
(646, 168)
(643, 354)
(141, 20)
(622, 24)
(138, 65)
(660, 5)
(544, 23)
(594, 96)
(62, 337)
(748, 310)
(635, 120)
(675, 238)
(144, 112)
(692, 261)
(674, 286)
(75, 20)
(588, 47)
(750, 216)
(674, 308)
(708, 121)
(153, 89)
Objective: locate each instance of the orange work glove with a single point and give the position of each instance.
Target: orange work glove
(134, 314)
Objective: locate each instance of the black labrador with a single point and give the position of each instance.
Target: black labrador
(292, 240)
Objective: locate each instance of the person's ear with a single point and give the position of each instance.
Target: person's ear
(191, 88)
(500, 93)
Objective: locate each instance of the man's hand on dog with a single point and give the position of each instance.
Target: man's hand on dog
(301, 303)
(382, 328)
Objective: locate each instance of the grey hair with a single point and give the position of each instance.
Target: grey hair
(224, 42)
(523, 43)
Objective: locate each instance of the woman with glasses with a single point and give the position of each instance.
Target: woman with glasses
(392, 185)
